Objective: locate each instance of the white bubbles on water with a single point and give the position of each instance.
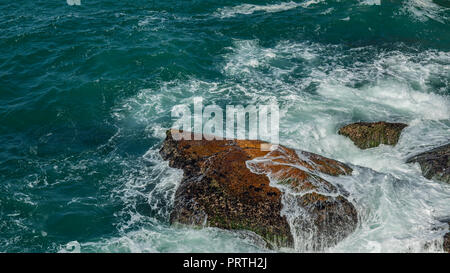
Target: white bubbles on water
(74, 2)
(71, 247)
(246, 9)
(173, 240)
(398, 213)
(370, 2)
(388, 97)
(309, 3)
(424, 10)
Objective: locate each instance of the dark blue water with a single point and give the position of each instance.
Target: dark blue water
(86, 92)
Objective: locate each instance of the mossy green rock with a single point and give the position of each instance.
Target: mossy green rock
(372, 134)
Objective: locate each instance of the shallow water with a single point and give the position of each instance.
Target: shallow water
(86, 92)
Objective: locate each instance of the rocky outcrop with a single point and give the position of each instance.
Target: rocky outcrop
(278, 194)
(447, 242)
(372, 134)
(435, 164)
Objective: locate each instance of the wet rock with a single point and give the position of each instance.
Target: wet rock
(447, 242)
(372, 134)
(234, 184)
(443, 3)
(435, 164)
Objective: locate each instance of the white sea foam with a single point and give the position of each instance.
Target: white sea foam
(73, 2)
(424, 10)
(246, 9)
(370, 2)
(308, 3)
(173, 240)
(397, 214)
(70, 247)
(154, 21)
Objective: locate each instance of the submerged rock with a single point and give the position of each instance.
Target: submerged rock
(278, 194)
(435, 164)
(372, 134)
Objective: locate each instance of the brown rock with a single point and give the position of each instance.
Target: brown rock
(447, 242)
(227, 184)
(372, 134)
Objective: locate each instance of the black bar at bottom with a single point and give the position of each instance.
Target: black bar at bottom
(226, 262)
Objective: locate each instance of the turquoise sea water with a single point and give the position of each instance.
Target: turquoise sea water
(86, 92)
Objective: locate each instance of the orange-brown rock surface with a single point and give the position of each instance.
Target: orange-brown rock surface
(234, 184)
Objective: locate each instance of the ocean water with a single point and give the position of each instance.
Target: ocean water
(86, 89)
